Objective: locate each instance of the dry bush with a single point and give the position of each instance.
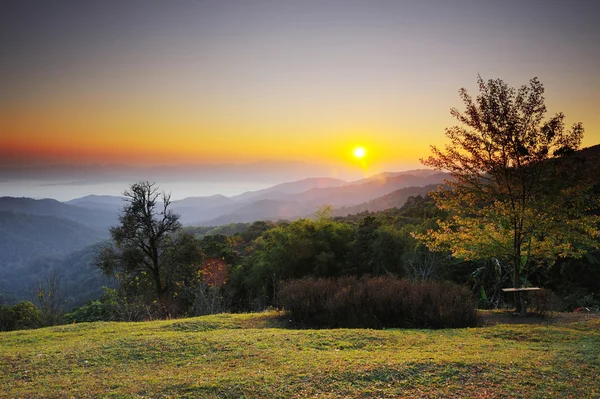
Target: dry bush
(377, 302)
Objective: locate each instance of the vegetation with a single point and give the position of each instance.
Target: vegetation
(146, 253)
(377, 302)
(80, 278)
(242, 272)
(23, 315)
(254, 355)
(516, 194)
(521, 208)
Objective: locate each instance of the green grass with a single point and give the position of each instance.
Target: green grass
(257, 356)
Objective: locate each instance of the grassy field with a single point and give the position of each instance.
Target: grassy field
(258, 356)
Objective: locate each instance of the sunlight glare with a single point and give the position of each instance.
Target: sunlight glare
(360, 152)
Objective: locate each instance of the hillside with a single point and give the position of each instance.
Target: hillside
(394, 199)
(259, 356)
(202, 208)
(34, 247)
(24, 237)
(109, 202)
(265, 209)
(275, 204)
(97, 218)
(281, 190)
(80, 279)
(421, 173)
(288, 200)
(356, 193)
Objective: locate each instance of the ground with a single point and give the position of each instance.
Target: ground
(260, 356)
(492, 318)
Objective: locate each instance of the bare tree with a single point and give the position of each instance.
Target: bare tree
(144, 244)
(51, 299)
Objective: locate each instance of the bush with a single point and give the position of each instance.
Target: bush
(113, 306)
(93, 311)
(578, 297)
(21, 316)
(379, 302)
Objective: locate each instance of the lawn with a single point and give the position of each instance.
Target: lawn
(259, 356)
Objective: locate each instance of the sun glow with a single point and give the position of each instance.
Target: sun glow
(359, 152)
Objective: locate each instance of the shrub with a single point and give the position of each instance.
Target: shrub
(377, 302)
(7, 318)
(21, 316)
(114, 307)
(93, 311)
(578, 297)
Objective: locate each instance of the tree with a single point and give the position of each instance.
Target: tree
(147, 254)
(302, 248)
(52, 300)
(518, 192)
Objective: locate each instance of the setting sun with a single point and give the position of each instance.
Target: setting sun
(360, 152)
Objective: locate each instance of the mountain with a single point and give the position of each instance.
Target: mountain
(421, 173)
(285, 189)
(201, 208)
(591, 154)
(79, 277)
(108, 202)
(293, 206)
(97, 218)
(24, 237)
(394, 199)
(264, 209)
(365, 190)
(283, 201)
(221, 209)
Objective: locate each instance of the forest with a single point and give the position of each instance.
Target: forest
(238, 268)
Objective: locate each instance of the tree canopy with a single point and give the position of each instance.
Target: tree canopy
(518, 192)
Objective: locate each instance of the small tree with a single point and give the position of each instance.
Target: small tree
(517, 193)
(147, 255)
(52, 300)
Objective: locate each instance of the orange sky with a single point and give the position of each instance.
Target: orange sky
(246, 81)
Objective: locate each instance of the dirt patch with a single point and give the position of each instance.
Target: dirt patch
(487, 318)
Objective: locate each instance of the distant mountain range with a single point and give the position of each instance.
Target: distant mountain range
(27, 236)
(275, 204)
(395, 199)
(288, 201)
(107, 202)
(100, 219)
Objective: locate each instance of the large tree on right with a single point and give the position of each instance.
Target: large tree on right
(519, 192)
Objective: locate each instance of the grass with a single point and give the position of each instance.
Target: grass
(257, 356)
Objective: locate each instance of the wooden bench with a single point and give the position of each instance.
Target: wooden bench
(521, 289)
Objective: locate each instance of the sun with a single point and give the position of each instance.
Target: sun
(359, 152)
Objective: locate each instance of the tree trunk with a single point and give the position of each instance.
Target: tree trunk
(164, 298)
(517, 295)
(162, 294)
(520, 305)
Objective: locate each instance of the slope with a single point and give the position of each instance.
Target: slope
(394, 199)
(97, 218)
(256, 356)
(24, 237)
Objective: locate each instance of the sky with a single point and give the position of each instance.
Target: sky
(215, 82)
